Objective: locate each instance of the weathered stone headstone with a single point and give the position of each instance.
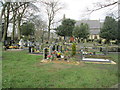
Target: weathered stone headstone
(81, 54)
(65, 47)
(94, 53)
(21, 43)
(53, 48)
(61, 48)
(32, 49)
(101, 49)
(50, 50)
(106, 51)
(37, 46)
(45, 53)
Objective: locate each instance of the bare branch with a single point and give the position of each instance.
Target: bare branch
(101, 6)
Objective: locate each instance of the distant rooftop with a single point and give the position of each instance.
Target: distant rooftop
(91, 23)
(93, 32)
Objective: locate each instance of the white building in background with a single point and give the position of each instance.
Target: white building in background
(94, 27)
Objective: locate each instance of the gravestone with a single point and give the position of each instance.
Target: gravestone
(50, 50)
(45, 53)
(21, 43)
(53, 48)
(61, 48)
(30, 46)
(65, 47)
(106, 51)
(37, 45)
(94, 53)
(81, 54)
(57, 47)
(32, 49)
(101, 49)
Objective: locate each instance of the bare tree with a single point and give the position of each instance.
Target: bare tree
(102, 5)
(52, 7)
(40, 26)
(19, 17)
(5, 13)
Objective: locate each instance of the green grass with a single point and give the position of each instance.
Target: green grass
(0, 65)
(21, 70)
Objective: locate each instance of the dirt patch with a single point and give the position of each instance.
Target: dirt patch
(69, 62)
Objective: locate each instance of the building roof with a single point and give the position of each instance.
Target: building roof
(94, 32)
(91, 23)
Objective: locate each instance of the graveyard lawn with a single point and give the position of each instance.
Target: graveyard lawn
(22, 70)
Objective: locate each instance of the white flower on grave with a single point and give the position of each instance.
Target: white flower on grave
(84, 52)
(62, 56)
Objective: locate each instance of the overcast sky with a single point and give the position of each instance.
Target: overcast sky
(76, 9)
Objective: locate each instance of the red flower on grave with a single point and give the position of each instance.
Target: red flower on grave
(90, 52)
(49, 56)
(53, 52)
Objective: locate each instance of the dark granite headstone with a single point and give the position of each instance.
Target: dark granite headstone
(45, 53)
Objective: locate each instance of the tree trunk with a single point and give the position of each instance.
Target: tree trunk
(48, 34)
(78, 40)
(6, 23)
(43, 37)
(64, 39)
(49, 30)
(107, 41)
(5, 31)
(13, 32)
(19, 32)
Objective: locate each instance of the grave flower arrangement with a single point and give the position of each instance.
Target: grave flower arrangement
(54, 52)
(91, 53)
(13, 47)
(58, 54)
(37, 51)
(49, 57)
